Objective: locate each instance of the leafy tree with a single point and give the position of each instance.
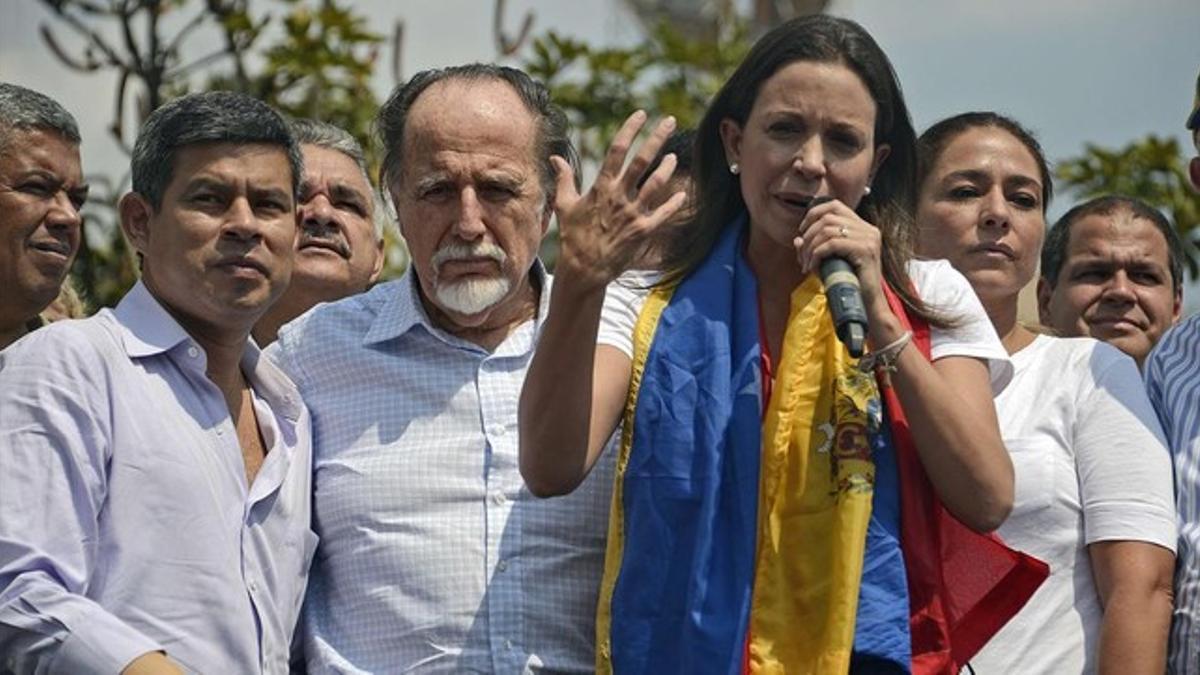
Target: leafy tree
(320, 67)
(667, 73)
(314, 59)
(1152, 169)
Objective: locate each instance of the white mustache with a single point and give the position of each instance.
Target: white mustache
(454, 252)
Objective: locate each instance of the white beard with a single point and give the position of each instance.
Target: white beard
(473, 296)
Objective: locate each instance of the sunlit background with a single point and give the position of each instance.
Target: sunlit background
(1079, 72)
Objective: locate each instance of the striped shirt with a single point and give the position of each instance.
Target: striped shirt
(434, 556)
(1173, 382)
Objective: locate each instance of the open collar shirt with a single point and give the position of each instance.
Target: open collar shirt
(126, 522)
(434, 557)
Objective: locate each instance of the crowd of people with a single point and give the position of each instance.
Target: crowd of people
(661, 458)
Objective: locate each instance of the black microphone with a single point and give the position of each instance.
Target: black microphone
(844, 297)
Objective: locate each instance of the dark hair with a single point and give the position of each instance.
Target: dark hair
(26, 109)
(1054, 252)
(822, 39)
(553, 131)
(681, 143)
(208, 117)
(937, 138)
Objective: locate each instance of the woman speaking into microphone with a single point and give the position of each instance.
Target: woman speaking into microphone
(764, 472)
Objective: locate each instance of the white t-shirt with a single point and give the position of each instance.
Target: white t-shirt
(1091, 465)
(940, 286)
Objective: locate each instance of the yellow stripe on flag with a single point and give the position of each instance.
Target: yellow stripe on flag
(814, 499)
(643, 336)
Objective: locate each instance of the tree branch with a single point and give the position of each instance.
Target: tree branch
(92, 37)
(397, 52)
(117, 129)
(193, 24)
(84, 65)
(506, 45)
(125, 18)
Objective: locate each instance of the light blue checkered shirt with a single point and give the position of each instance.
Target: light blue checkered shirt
(1173, 382)
(434, 557)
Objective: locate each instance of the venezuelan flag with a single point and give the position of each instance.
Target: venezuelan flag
(767, 538)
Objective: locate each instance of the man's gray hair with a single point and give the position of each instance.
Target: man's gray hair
(553, 130)
(208, 117)
(332, 137)
(25, 109)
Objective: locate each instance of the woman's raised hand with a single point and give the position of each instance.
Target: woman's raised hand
(603, 230)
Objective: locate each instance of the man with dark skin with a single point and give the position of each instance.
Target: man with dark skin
(41, 192)
(1112, 268)
(168, 462)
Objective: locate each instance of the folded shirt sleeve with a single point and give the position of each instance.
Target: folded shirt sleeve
(1121, 457)
(53, 454)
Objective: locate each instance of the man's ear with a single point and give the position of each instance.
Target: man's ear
(1044, 293)
(391, 205)
(1177, 309)
(1194, 172)
(380, 256)
(135, 213)
(731, 140)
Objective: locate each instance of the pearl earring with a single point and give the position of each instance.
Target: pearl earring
(734, 168)
(867, 191)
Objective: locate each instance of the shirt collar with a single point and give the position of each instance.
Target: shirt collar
(403, 310)
(147, 329)
(146, 326)
(270, 382)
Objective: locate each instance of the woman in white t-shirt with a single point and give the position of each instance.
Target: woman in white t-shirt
(806, 153)
(1093, 477)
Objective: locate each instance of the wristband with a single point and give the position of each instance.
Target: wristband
(885, 359)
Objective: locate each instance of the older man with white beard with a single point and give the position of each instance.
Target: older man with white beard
(434, 556)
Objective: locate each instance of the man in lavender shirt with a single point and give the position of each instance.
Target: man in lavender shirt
(154, 468)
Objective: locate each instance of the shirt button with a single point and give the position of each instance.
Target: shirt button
(193, 352)
(508, 645)
(498, 498)
(498, 430)
(252, 586)
(502, 565)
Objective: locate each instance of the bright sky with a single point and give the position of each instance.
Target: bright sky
(1076, 71)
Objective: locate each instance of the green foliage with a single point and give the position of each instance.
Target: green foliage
(313, 59)
(104, 267)
(320, 65)
(1152, 169)
(665, 74)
